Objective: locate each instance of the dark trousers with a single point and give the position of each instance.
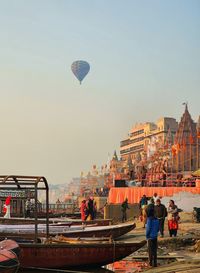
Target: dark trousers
(173, 232)
(161, 226)
(91, 213)
(124, 217)
(28, 213)
(152, 251)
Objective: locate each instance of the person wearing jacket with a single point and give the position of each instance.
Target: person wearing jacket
(160, 213)
(152, 229)
(173, 218)
(143, 205)
(124, 208)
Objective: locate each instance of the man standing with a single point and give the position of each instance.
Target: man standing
(160, 212)
(152, 229)
(28, 208)
(124, 208)
(155, 197)
(90, 209)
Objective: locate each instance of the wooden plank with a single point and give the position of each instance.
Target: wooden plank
(165, 257)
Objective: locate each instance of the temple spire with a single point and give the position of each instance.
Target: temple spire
(115, 157)
(198, 124)
(186, 106)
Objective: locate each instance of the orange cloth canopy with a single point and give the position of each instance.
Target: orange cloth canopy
(118, 195)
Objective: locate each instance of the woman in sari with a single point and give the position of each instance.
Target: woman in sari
(173, 218)
(83, 209)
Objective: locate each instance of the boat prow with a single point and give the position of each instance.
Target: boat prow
(9, 252)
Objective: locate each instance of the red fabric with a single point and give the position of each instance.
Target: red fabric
(172, 224)
(191, 139)
(174, 150)
(7, 202)
(4, 208)
(83, 210)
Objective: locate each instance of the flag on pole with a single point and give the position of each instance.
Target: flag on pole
(178, 147)
(183, 144)
(191, 139)
(174, 150)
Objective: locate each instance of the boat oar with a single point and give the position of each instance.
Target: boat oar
(53, 270)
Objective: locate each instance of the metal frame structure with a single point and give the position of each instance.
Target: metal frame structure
(36, 183)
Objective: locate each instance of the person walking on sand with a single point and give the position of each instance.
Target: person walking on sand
(124, 209)
(152, 229)
(160, 213)
(173, 218)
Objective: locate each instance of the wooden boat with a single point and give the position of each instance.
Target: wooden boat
(55, 221)
(64, 255)
(9, 252)
(115, 231)
(67, 255)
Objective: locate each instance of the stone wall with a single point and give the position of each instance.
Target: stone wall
(113, 211)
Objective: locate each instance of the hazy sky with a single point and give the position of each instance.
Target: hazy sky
(145, 61)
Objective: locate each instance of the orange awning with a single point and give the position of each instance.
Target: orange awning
(118, 195)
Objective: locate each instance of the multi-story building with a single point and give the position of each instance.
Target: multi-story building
(146, 137)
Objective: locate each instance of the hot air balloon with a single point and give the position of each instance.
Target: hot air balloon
(80, 69)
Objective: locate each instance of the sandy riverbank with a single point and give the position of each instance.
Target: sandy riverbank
(175, 254)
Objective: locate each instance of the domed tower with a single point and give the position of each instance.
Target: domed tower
(186, 143)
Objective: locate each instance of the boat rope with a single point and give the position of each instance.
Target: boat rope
(114, 245)
(54, 270)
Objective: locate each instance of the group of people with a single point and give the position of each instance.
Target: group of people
(154, 213)
(88, 209)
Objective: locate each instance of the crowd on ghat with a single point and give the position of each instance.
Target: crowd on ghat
(88, 209)
(153, 214)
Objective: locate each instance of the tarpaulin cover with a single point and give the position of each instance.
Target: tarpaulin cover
(196, 173)
(118, 195)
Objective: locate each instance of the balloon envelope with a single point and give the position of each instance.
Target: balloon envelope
(80, 69)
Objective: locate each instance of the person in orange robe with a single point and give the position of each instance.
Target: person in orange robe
(83, 210)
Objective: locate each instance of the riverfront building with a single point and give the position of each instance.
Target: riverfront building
(164, 146)
(145, 138)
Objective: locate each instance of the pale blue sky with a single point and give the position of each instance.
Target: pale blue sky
(145, 61)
